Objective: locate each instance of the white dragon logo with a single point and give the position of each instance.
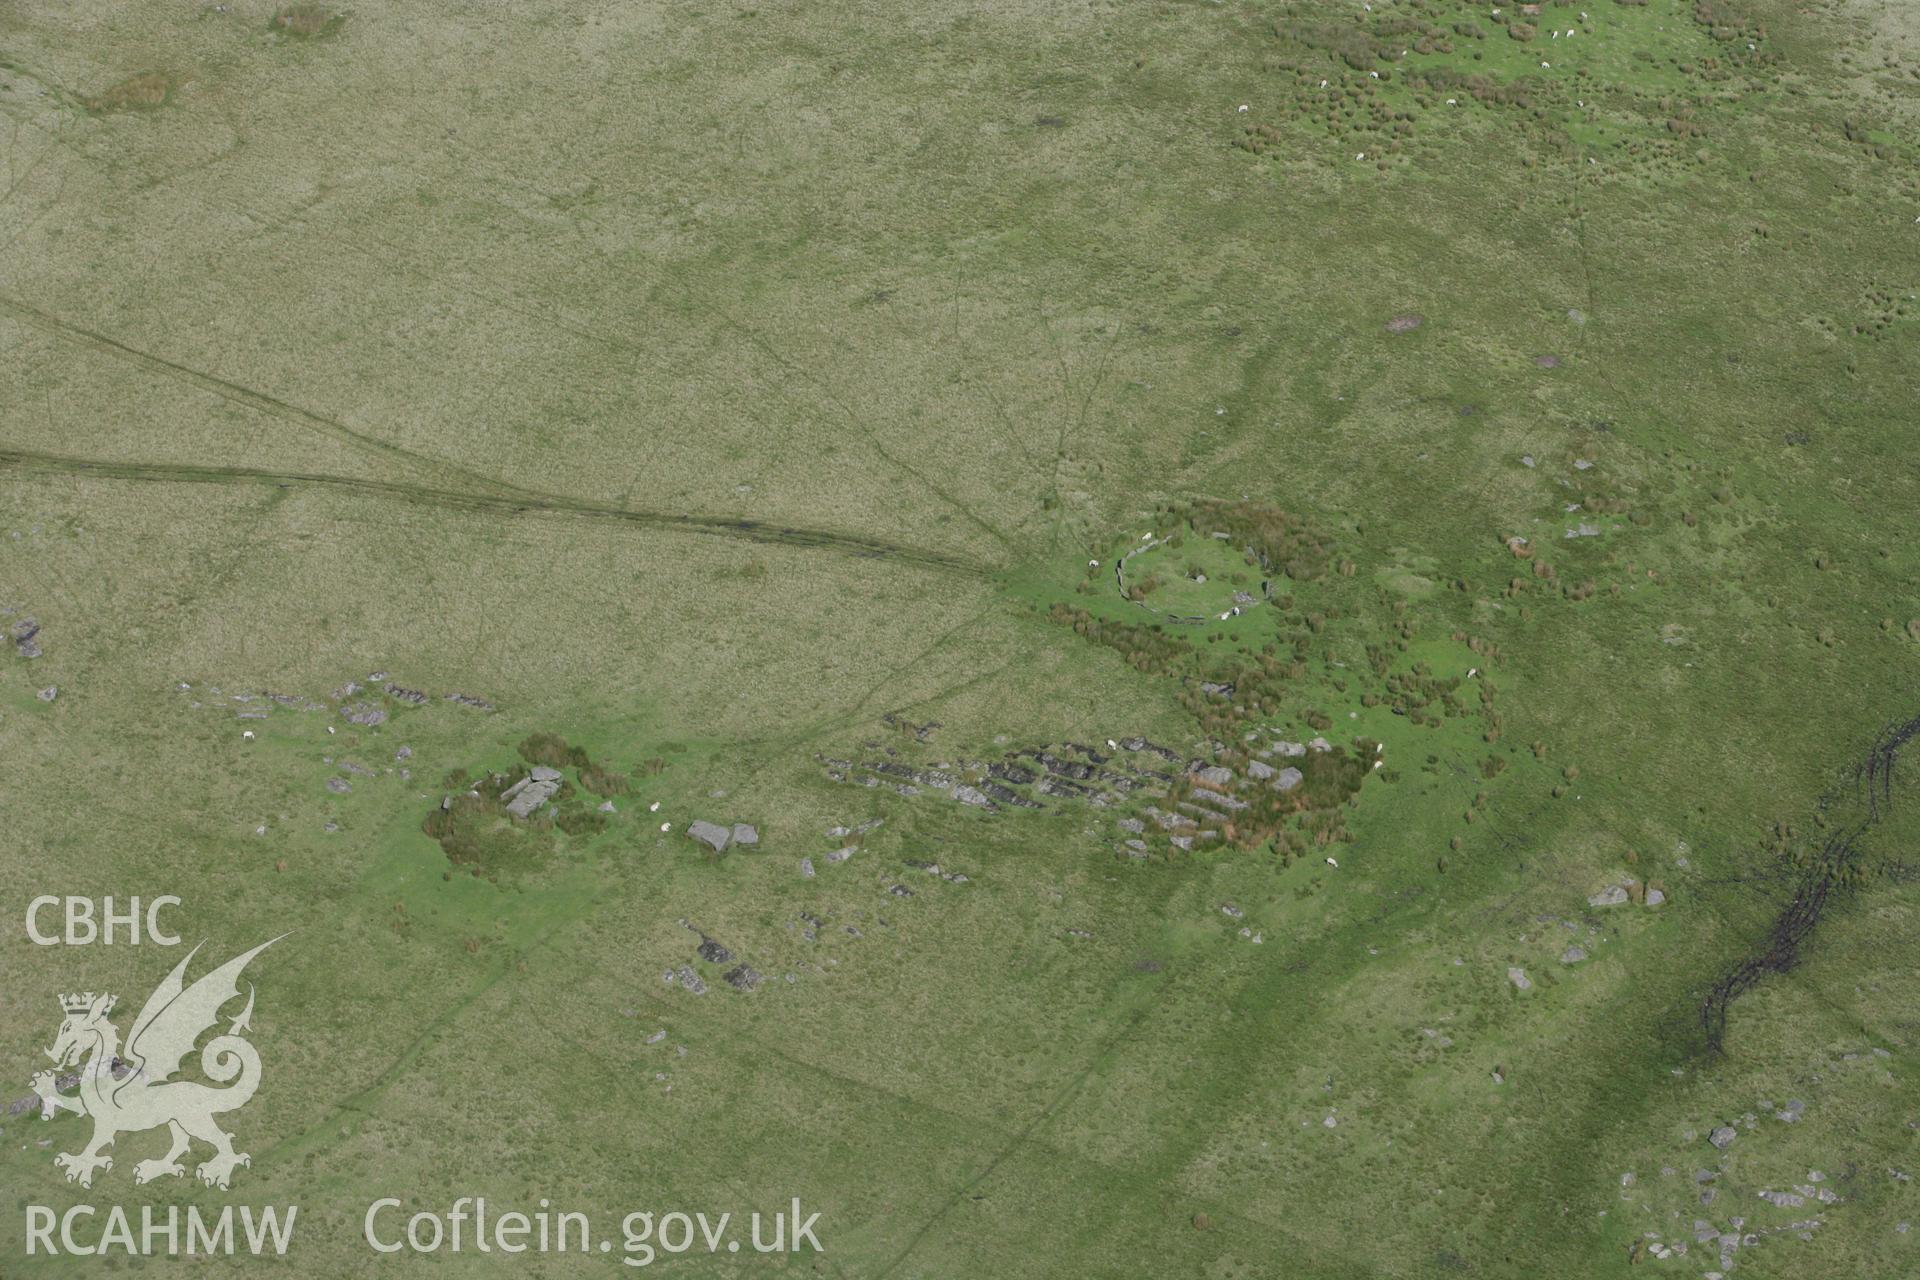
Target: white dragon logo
(132, 1091)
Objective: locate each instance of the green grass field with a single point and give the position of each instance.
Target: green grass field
(760, 398)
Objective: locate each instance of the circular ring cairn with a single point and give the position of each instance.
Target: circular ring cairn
(1194, 574)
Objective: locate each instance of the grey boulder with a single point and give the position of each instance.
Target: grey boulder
(711, 834)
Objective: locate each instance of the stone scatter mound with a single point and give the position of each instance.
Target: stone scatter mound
(1207, 796)
(1020, 779)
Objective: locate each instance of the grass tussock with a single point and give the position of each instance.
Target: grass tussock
(145, 92)
(308, 21)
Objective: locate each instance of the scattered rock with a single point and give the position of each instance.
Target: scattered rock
(1518, 977)
(741, 978)
(1547, 362)
(365, 713)
(1612, 896)
(339, 786)
(745, 834)
(806, 867)
(606, 806)
(713, 952)
(1287, 779)
(1260, 769)
(49, 693)
(1573, 955)
(1406, 323)
(1215, 775)
(1723, 1136)
(841, 855)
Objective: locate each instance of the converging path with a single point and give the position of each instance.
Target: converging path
(20, 463)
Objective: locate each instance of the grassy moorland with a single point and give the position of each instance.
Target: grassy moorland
(743, 395)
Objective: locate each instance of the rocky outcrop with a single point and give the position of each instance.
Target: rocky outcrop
(532, 791)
